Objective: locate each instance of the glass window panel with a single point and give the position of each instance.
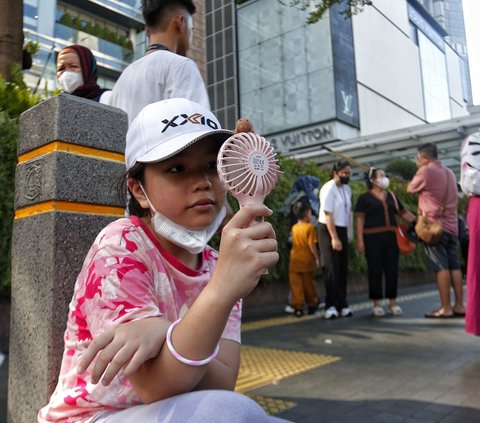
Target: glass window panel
(219, 72)
(228, 39)
(285, 74)
(30, 11)
(273, 110)
(318, 47)
(211, 72)
(296, 104)
(292, 18)
(250, 69)
(217, 21)
(209, 19)
(268, 19)
(321, 95)
(229, 66)
(293, 58)
(248, 34)
(271, 61)
(230, 91)
(228, 15)
(218, 44)
(251, 105)
(435, 82)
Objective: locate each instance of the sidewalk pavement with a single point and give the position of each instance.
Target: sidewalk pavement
(361, 369)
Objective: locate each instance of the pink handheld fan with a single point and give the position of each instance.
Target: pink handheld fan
(248, 167)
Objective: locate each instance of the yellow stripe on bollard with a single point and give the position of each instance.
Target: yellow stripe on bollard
(72, 149)
(68, 206)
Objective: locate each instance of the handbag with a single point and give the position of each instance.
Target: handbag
(430, 230)
(405, 246)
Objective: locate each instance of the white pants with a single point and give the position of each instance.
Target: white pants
(213, 406)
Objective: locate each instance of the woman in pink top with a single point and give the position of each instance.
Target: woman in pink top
(162, 307)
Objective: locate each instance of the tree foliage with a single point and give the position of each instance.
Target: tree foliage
(8, 153)
(402, 168)
(318, 9)
(15, 98)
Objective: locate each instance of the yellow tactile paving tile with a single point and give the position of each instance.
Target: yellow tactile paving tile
(272, 405)
(263, 366)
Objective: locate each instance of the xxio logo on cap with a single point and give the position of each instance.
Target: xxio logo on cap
(196, 119)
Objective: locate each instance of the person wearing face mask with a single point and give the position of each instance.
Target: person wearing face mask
(77, 74)
(334, 220)
(375, 213)
(160, 307)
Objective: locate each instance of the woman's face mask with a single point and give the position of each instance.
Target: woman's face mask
(383, 182)
(69, 81)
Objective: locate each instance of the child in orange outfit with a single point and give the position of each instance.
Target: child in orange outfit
(304, 259)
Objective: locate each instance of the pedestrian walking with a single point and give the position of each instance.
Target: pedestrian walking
(376, 212)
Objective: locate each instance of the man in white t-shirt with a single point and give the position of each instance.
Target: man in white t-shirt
(164, 71)
(334, 220)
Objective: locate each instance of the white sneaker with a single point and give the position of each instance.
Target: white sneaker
(395, 310)
(378, 311)
(289, 309)
(346, 312)
(331, 313)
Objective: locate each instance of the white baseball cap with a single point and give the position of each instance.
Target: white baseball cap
(165, 128)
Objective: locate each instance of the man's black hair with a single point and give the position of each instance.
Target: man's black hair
(153, 10)
(429, 150)
(339, 165)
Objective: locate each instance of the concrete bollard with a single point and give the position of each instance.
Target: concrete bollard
(70, 158)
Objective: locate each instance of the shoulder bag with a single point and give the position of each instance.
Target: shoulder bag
(405, 246)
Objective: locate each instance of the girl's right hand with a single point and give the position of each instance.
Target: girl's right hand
(246, 252)
(126, 346)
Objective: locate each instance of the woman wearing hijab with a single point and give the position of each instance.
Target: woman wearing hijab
(77, 74)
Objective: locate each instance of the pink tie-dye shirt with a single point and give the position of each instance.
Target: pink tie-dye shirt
(126, 276)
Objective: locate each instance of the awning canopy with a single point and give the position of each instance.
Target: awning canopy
(380, 149)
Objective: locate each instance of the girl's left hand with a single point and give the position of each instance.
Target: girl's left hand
(126, 346)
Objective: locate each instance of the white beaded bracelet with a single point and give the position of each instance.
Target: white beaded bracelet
(181, 358)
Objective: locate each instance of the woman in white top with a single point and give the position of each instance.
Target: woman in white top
(334, 219)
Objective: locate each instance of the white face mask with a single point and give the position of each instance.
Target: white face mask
(383, 182)
(192, 240)
(70, 81)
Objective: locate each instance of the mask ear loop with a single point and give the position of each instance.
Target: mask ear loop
(146, 196)
(370, 172)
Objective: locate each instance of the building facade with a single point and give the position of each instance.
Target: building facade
(339, 81)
